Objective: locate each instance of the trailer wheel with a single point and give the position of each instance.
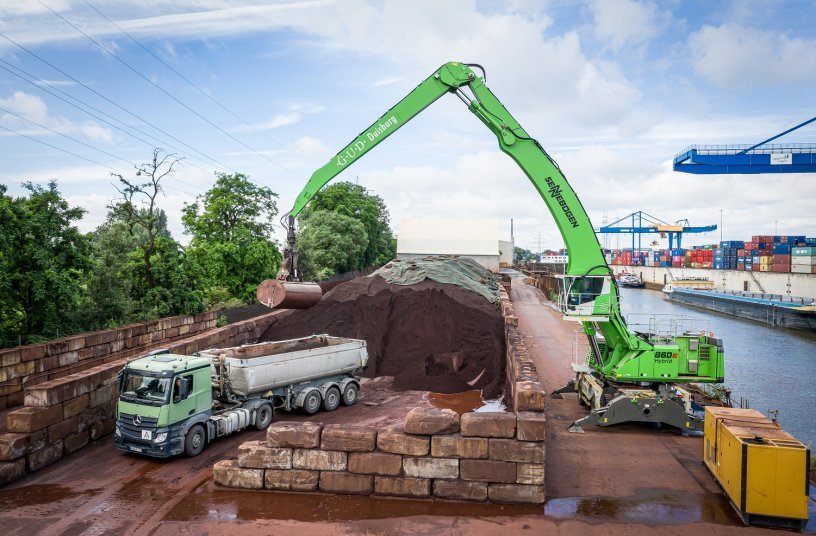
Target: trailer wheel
(263, 417)
(332, 399)
(194, 441)
(350, 394)
(311, 403)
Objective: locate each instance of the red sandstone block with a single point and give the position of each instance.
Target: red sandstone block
(322, 460)
(294, 434)
(431, 467)
(460, 490)
(10, 357)
(348, 438)
(402, 487)
(428, 421)
(511, 450)
(14, 446)
(530, 473)
(529, 396)
(11, 471)
(531, 426)
(227, 473)
(397, 442)
(374, 463)
(256, 455)
(291, 479)
(45, 456)
(487, 471)
(62, 429)
(103, 428)
(30, 353)
(101, 395)
(76, 441)
(75, 406)
(17, 371)
(516, 494)
(456, 446)
(488, 424)
(346, 483)
(30, 419)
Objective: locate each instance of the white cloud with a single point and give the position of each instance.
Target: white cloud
(295, 114)
(622, 22)
(737, 57)
(32, 108)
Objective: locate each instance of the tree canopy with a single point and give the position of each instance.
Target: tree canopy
(355, 202)
(331, 243)
(231, 248)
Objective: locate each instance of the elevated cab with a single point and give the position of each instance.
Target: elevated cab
(588, 298)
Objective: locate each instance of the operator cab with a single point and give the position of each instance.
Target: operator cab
(587, 298)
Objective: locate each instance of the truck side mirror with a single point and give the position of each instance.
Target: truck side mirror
(184, 388)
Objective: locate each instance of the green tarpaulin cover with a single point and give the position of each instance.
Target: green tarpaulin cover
(451, 269)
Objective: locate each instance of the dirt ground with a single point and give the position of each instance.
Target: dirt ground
(624, 480)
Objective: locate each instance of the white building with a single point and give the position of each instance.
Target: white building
(477, 239)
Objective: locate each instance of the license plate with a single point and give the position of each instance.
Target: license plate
(135, 449)
(147, 434)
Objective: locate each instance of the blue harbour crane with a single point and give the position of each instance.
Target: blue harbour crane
(763, 157)
(643, 223)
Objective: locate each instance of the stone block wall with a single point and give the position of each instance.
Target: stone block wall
(62, 415)
(29, 365)
(524, 391)
(485, 457)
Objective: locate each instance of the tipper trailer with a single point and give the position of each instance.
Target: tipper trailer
(169, 404)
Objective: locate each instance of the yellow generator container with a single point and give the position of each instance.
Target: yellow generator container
(763, 470)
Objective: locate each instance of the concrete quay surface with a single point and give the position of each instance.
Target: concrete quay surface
(622, 480)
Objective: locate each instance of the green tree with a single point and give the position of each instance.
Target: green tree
(331, 243)
(162, 282)
(109, 300)
(354, 201)
(45, 260)
(137, 207)
(230, 250)
(521, 254)
(231, 210)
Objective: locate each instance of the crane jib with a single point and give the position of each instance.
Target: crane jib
(555, 192)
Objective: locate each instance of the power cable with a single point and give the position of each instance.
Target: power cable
(170, 95)
(98, 94)
(39, 83)
(59, 149)
(190, 83)
(66, 136)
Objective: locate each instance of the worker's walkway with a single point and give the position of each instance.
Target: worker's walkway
(627, 472)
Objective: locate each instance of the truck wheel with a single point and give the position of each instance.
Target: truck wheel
(311, 403)
(263, 417)
(332, 399)
(350, 394)
(194, 441)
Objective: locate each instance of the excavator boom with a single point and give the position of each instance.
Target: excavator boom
(589, 293)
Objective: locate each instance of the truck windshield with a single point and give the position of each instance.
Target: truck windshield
(148, 388)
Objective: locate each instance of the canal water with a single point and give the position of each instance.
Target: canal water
(774, 368)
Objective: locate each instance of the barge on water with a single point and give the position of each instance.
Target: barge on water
(776, 310)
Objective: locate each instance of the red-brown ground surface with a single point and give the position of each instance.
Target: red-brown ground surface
(624, 480)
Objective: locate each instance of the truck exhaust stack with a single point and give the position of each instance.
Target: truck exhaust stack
(288, 294)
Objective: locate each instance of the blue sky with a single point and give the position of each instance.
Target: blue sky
(612, 89)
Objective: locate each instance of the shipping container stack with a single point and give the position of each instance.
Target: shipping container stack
(762, 254)
(700, 256)
(803, 260)
(729, 255)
